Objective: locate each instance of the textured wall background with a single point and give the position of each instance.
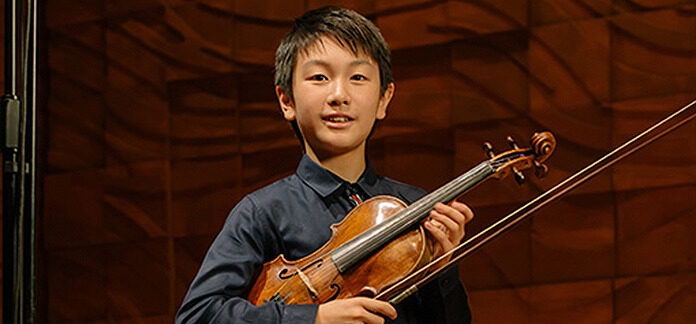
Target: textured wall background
(159, 115)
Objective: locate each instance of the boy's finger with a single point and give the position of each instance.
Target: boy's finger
(439, 234)
(450, 212)
(464, 209)
(447, 222)
(381, 307)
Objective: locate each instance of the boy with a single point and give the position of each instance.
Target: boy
(333, 81)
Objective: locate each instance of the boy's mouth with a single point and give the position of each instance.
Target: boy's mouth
(337, 118)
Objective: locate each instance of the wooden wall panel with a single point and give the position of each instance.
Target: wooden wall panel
(269, 9)
(573, 239)
(433, 92)
(400, 159)
(68, 12)
(137, 280)
(641, 40)
(655, 231)
(477, 65)
(572, 59)
(494, 267)
(203, 118)
(201, 191)
(69, 224)
(401, 34)
(649, 168)
(251, 40)
(574, 302)
(161, 115)
(76, 133)
(546, 303)
(135, 200)
(68, 269)
(545, 12)
(265, 167)
(76, 104)
(663, 299)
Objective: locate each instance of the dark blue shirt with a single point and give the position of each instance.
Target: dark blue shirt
(292, 217)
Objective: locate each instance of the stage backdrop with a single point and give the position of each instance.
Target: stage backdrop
(157, 117)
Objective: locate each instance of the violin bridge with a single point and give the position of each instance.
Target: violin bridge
(312, 291)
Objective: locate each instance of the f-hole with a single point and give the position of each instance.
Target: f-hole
(337, 290)
(283, 274)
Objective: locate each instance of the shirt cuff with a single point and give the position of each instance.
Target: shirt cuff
(305, 314)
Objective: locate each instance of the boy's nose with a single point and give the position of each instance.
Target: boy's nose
(338, 96)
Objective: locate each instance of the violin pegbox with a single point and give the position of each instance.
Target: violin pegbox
(517, 159)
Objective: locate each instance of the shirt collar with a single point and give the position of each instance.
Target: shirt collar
(324, 182)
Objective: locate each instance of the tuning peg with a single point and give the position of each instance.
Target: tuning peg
(512, 143)
(519, 177)
(488, 148)
(540, 170)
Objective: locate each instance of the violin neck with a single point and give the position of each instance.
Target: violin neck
(363, 245)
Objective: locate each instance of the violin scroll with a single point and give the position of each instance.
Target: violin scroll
(518, 159)
(544, 143)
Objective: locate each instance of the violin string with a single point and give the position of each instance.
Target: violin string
(542, 199)
(293, 282)
(290, 283)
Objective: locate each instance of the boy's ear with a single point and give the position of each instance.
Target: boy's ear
(384, 101)
(286, 104)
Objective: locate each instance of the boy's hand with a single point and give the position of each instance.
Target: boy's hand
(446, 226)
(354, 310)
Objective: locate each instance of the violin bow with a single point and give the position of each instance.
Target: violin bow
(399, 291)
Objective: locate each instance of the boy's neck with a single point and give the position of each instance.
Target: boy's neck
(348, 166)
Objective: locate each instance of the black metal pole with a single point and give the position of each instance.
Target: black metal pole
(10, 47)
(11, 175)
(19, 173)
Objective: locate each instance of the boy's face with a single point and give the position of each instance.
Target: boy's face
(336, 98)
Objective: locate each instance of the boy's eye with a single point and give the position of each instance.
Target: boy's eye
(318, 77)
(359, 77)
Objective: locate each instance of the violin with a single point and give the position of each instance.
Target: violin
(381, 241)
(380, 251)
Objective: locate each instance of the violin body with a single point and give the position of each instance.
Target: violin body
(319, 280)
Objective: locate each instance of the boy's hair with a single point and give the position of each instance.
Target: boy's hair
(347, 27)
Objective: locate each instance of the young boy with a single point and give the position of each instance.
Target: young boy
(333, 81)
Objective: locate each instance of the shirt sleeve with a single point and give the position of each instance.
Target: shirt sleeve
(216, 293)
